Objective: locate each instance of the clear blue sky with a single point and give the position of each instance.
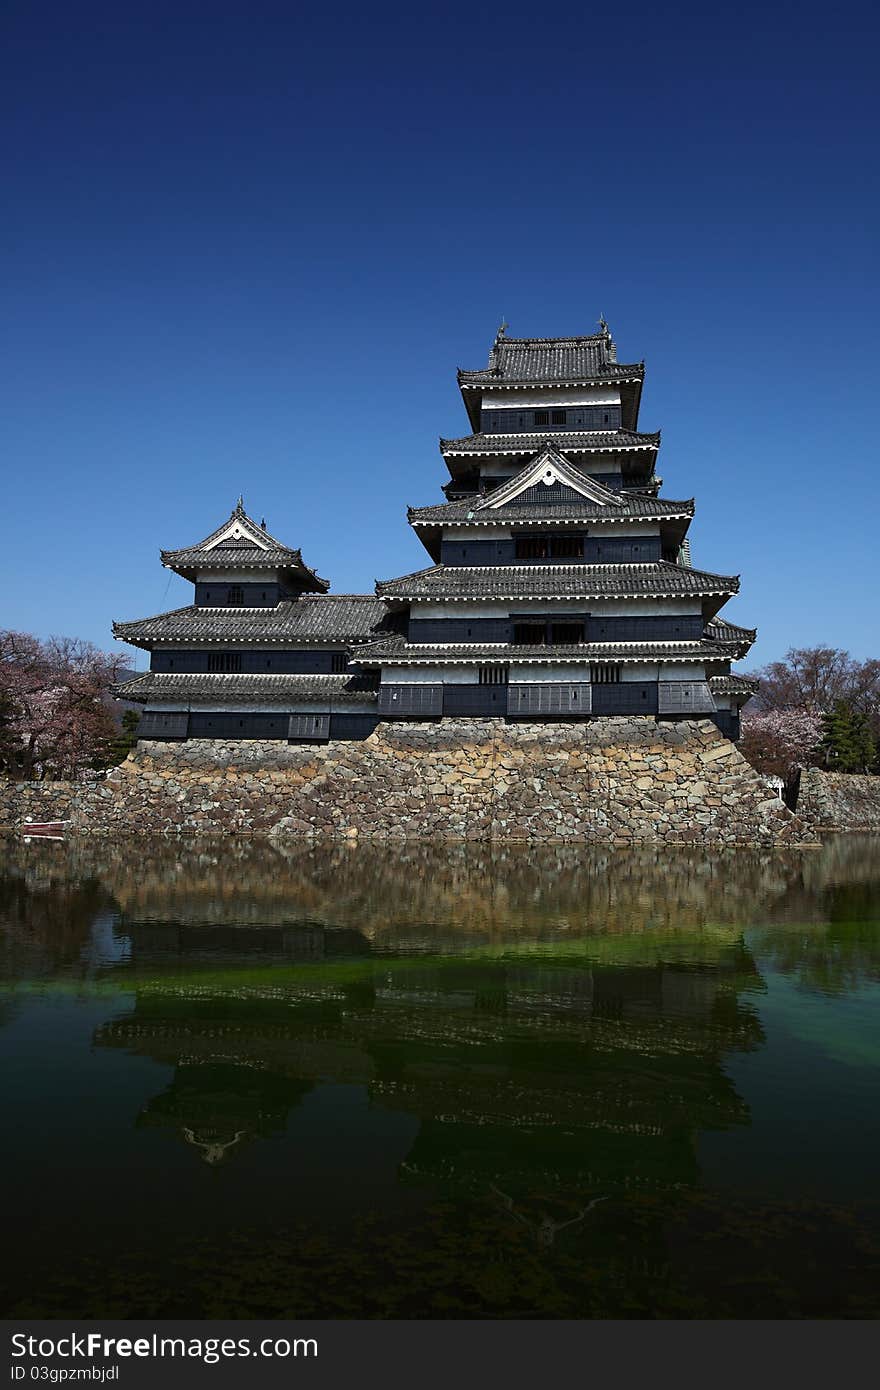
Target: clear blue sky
(247, 245)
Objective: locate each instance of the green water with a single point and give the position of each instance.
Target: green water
(240, 1080)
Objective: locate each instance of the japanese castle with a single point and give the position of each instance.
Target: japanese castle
(561, 586)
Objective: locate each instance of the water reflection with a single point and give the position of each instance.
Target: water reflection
(411, 898)
(508, 1050)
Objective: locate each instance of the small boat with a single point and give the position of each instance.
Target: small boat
(43, 829)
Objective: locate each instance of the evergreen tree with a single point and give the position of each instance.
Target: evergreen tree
(847, 742)
(126, 739)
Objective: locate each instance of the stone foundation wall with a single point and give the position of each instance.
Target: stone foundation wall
(839, 800)
(610, 781)
(40, 801)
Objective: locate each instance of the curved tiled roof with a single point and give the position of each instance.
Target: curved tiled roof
(733, 685)
(395, 647)
(656, 580)
(580, 441)
(586, 358)
(311, 618)
(246, 690)
(234, 557)
(248, 546)
(625, 506)
(722, 631)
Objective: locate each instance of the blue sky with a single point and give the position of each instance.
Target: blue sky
(245, 248)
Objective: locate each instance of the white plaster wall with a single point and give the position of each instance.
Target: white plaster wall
(530, 675)
(501, 399)
(651, 608)
(429, 675)
(530, 672)
(483, 533)
(676, 671)
(634, 529)
(265, 576)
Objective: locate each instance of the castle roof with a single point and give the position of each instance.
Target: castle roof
(181, 688)
(239, 543)
(738, 639)
(570, 360)
(587, 360)
(345, 618)
(395, 647)
(571, 441)
(621, 506)
(659, 579)
(731, 684)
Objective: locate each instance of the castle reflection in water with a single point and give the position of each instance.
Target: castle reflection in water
(556, 1021)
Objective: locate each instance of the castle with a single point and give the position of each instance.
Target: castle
(561, 586)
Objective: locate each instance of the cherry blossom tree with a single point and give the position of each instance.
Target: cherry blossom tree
(779, 740)
(782, 727)
(55, 709)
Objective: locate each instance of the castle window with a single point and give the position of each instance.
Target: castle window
(605, 675)
(235, 596)
(338, 662)
(529, 634)
(549, 547)
(566, 634)
(566, 547)
(542, 419)
(224, 661)
(494, 675)
(531, 547)
(558, 417)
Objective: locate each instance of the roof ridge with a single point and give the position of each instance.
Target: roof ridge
(575, 338)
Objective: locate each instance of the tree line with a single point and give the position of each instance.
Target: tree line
(818, 707)
(57, 714)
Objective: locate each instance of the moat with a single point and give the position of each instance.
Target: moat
(245, 1079)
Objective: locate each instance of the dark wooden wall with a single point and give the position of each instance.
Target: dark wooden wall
(304, 662)
(262, 594)
(494, 420)
(638, 628)
(615, 550)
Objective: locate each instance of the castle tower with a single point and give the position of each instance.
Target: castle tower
(562, 585)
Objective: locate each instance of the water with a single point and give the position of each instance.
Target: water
(241, 1080)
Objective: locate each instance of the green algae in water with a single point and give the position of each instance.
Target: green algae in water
(246, 1080)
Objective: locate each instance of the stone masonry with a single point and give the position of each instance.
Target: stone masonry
(611, 781)
(839, 800)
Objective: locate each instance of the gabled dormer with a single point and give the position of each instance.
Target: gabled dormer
(241, 565)
(549, 478)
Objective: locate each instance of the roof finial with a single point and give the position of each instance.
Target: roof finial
(603, 326)
(493, 355)
(239, 506)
